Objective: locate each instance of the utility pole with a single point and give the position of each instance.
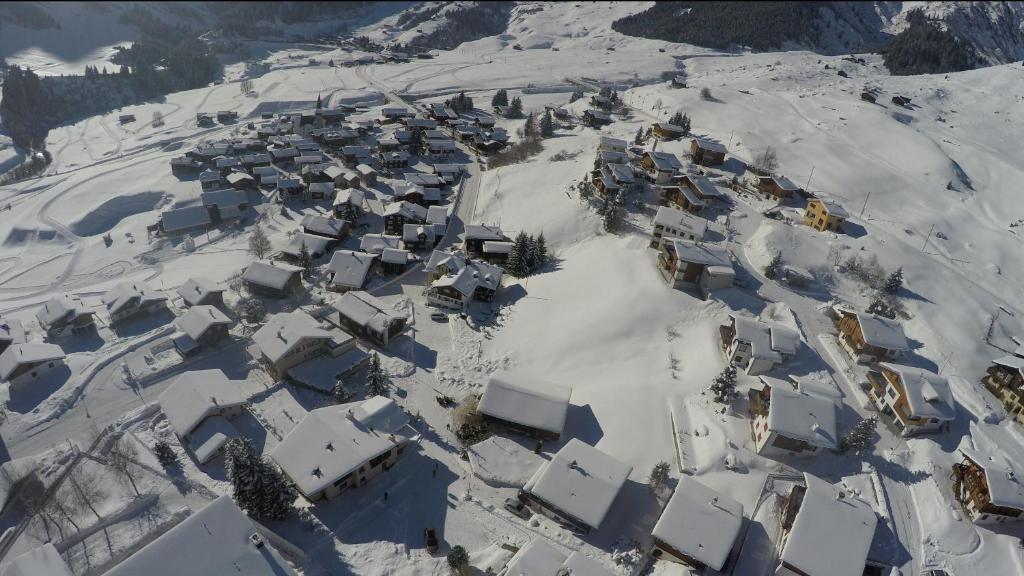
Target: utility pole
(861, 215)
(807, 188)
(729, 145)
(927, 238)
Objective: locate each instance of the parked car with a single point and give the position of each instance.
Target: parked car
(438, 316)
(430, 537)
(518, 507)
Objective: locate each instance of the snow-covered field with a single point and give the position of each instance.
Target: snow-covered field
(932, 188)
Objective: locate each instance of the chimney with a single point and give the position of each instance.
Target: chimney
(574, 465)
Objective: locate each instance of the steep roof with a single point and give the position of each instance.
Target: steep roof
(833, 208)
(271, 275)
(928, 394)
(483, 232)
(700, 253)
(665, 161)
(581, 481)
(997, 451)
(407, 210)
(367, 310)
(526, 400)
(65, 307)
(539, 558)
(802, 414)
(283, 332)
(349, 268)
(199, 319)
(681, 220)
(882, 332)
(194, 395)
(376, 243)
(125, 293)
(194, 290)
(314, 244)
(700, 522)
(710, 145)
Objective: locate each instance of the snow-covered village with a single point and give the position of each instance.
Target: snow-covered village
(511, 289)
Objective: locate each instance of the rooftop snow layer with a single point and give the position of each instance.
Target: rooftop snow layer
(527, 401)
(700, 522)
(194, 395)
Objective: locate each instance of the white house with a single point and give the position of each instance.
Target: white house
(525, 404)
(132, 298)
(786, 421)
(674, 224)
(198, 405)
(23, 364)
(914, 399)
(454, 280)
(341, 447)
(215, 541)
(698, 527)
(538, 558)
(289, 339)
(577, 486)
(830, 531)
(65, 313)
(755, 346)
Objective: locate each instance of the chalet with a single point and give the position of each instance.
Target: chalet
(348, 203)
(666, 131)
(420, 124)
(394, 260)
(221, 199)
(367, 175)
(287, 340)
(179, 221)
(602, 102)
(265, 278)
(315, 246)
(65, 313)
(825, 215)
(210, 180)
(755, 346)
(185, 165)
(369, 317)
(577, 486)
(467, 134)
(660, 166)
(443, 114)
(416, 237)
(448, 172)
(393, 160)
(308, 159)
(609, 144)
(525, 405)
(200, 291)
(390, 115)
(225, 116)
(673, 224)
(703, 189)
(349, 270)
(476, 234)
(786, 421)
(454, 280)
(209, 152)
(342, 447)
(11, 332)
(316, 173)
(988, 484)
(198, 405)
(376, 243)
(436, 134)
(26, 363)
(227, 165)
(707, 153)
(698, 527)
(351, 179)
(440, 148)
(1005, 379)
(425, 180)
(679, 81)
(692, 265)
(778, 187)
(130, 299)
(914, 399)
(320, 190)
(388, 144)
(217, 540)
(398, 214)
(333, 173)
(611, 180)
(542, 559)
(204, 119)
(240, 180)
(483, 120)
(596, 118)
(266, 175)
(284, 155)
(826, 531)
(330, 228)
(126, 118)
(496, 252)
(607, 157)
(290, 186)
(870, 338)
(438, 217)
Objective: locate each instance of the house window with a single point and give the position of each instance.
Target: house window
(891, 391)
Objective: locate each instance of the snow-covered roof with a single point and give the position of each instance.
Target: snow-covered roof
(331, 442)
(353, 196)
(236, 178)
(758, 335)
(665, 161)
(12, 331)
(289, 183)
(1003, 475)
(271, 275)
(194, 290)
(376, 243)
(882, 332)
(464, 276)
(437, 215)
(700, 522)
(447, 168)
(209, 436)
(130, 293)
(681, 220)
(620, 173)
(785, 183)
(394, 256)
(494, 247)
(700, 253)
(212, 542)
(41, 561)
(324, 188)
(703, 185)
(581, 481)
(802, 414)
(407, 210)
(365, 170)
(670, 127)
(323, 225)
(525, 400)
(483, 232)
(928, 394)
(425, 180)
(314, 244)
(283, 332)
(224, 197)
(539, 558)
(833, 208)
(411, 233)
(350, 268)
(832, 532)
(65, 307)
(710, 145)
(184, 218)
(1012, 361)
(194, 395)
(367, 310)
(199, 319)
(598, 114)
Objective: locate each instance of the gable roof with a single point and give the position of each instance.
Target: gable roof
(681, 220)
(833, 208)
(314, 244)
(350, 268)
(700, 522)
(194, 395)
(701, 253)
(882, 332)
(271, 275)
(194, 290)
(437, 215)
(283, 332)
(407, 210)
(710, 145)
(528, 401)
(184, 218)
(997, 451)
(323, 225)
(12, 331)
(802, 414)
(665, 161)
(198, 319)
(581, 481)
(376, 243)
(483, 232)
(120, 296)
(928, 394)
(367, 310)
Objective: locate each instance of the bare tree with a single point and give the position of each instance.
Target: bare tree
(259, 244)
(769, 160)
(158, 119)
(121, 459)
(86, 489)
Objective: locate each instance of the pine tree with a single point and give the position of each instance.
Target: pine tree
(165, 454)
(259, 244)
(515, 108)
(306, 262)
(861, 437)
(377, 379)
(659, 476)
(542, 250)
(500, 98)
(894, 281)
(547, 125)
(532, 256)
(530, 127)
(639, 138)
(340, 393)
(724, 386)
(458, 560)
(577, 94)
(319, 102)
(684, 123)
(611, 215)
(259, 487)
(676, 119)
(517, 265)
(771, 271)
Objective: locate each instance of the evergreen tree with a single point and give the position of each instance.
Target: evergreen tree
(517, 265)
(577, 94)
(458, 560)
(377, 379)
(676, 119)
(771, 271)
(611, 215)
(340, 393)
(515, 108)
(684, 123)
(165, 454)
(542, 250)
(306, 262)
(259, 487)
(547, 125)
(639, 138)
(500, 98)
(259, 244)
(659, 476)
(861, 437)
(894, 281)
(319, 102)
(530, 127)
(724, 386)
(532, 255)
(882, 307)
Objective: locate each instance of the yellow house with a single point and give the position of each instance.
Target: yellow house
(824, 215)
